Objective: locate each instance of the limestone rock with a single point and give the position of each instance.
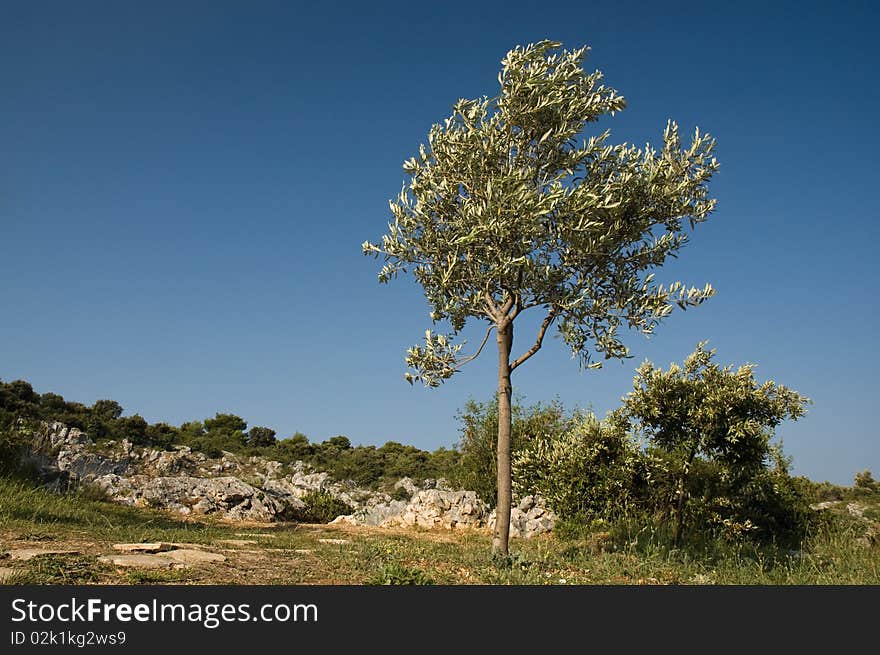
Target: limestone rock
(170, 558)
(528, 518)
(185, 494)
(25, 554)
(856, 509)
(189, 556)
(154, 547)
(408, 485)
(139, 561)
(87, 466)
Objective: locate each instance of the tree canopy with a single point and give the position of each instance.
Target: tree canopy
(509, 208)
(703, 409)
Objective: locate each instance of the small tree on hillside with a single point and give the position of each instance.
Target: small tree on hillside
(865, 480)
(508, 209)
(701, 410)
(261, 437)
(109, 410)
(226, 423)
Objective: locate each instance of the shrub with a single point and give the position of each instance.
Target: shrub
(297, 447)
(260, 437)
(322, 507)
(399, 493)
(398, 574)
(13, 445)
(821, 492)
(776, 505)
(766, 506)
(587, 473)
(864, 480)
(476, 467)
(161, 435)
(702, 412)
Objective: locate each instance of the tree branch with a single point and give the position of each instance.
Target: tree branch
(492, 308)
(517, 305)
(537, 345)
(479, 350)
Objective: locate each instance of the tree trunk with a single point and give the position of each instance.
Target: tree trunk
(502, 507)
(682, 497)
(679, 512)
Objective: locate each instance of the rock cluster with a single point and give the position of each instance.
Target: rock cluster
(258, 489)
(441, 507)
(181, 480)
(529, 517)
(186, 494)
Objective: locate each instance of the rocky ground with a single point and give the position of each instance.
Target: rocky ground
(258, 489)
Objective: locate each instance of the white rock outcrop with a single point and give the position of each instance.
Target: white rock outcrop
(258, 489)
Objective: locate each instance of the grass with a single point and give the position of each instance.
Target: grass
(65, 569)
(293, 553)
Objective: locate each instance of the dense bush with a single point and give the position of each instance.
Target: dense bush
(13, 444)
(764, 506)
(261, 437)
(476, 467)
(322, 507)
(774, 504)
(865, 480)
(713, 426)
(592, 472)
(370, 466)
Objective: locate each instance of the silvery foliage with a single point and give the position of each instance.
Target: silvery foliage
(510, 206)
(703, 409)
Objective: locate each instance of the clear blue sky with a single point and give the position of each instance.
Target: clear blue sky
(184, 188)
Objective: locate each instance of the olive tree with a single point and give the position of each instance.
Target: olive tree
(511, 207)
(702, 410)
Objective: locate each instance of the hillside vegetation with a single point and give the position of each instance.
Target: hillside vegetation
(104, 421)
(682, 483)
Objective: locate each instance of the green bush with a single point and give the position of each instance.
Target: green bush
(399, 493)
(322, 507)
(476, 466)
(261, 437)
(589, 473)
(764, 507)
(822, 492)
(13, 445)
(719, 421)
(865, 480)
(778, 509)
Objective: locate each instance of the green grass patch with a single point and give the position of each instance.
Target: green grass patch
(35, 513)
(64, 569)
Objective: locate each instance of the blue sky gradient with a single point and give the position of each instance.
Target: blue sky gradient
(184, 188)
